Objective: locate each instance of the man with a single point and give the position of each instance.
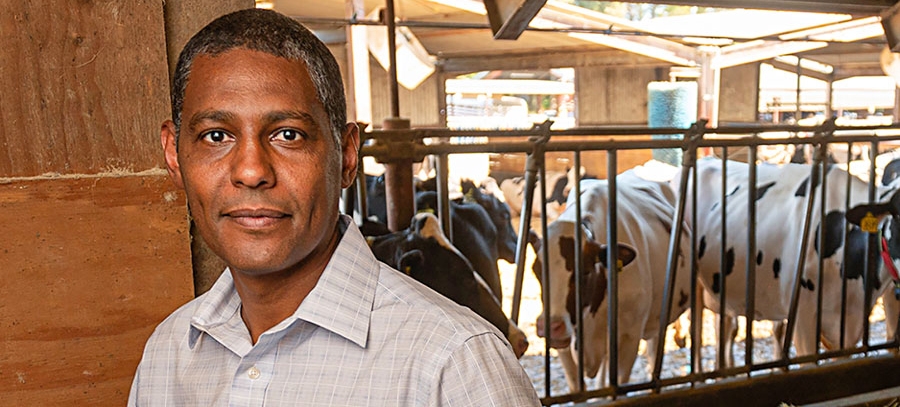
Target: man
(304, 314)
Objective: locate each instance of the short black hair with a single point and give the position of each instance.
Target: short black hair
(275, 34)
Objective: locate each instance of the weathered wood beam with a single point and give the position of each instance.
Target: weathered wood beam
(545, 60)
(856, 7)
(784, 66)
(648, 45)
(853, 71)
(762, 50)
(509, 18)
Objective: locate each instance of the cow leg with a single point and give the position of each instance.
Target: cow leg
(570, 369)
(805, 340)
(779, 330)
(727, 338)
(891, 315)
(651, 354)
(681, 327)
(628, 350)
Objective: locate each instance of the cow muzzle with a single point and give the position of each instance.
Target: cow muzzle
(517, 339)
(560, 331)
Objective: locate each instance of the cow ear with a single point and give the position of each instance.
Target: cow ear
(411, 260)
(868, 216)
(535, 240)
(625, 255)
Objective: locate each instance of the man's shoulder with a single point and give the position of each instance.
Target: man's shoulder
(399, 294)
(176, 325)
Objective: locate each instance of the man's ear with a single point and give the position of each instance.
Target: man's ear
(167, 137)
(350, 154)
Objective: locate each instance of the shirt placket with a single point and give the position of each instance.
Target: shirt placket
(254, 374)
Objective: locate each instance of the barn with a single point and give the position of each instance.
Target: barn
(99, 247)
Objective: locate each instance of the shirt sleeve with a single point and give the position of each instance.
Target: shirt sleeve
(132, 395)
(484, 372)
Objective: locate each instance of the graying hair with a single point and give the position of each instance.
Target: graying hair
(275, 34)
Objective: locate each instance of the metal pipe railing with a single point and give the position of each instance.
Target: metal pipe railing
(542, 140)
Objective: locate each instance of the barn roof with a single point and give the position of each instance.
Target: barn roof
(456, 34)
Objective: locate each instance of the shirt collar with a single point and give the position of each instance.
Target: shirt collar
(341, 301)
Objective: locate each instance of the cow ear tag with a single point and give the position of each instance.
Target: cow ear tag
(619, 265)
(469, 197)
(869, 223)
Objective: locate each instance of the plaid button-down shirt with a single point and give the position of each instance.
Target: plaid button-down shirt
(367, 335)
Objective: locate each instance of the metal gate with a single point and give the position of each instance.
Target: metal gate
(400, 145)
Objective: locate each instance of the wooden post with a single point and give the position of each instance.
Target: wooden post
(183, 19)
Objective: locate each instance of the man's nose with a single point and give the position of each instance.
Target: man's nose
(252, 165)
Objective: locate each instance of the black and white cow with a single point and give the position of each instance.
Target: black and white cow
(500, 216)
(781, 201)
(425, 254)
(558, 186)
(891, 172)
(476, 234)
(644, 224)
(482, 229)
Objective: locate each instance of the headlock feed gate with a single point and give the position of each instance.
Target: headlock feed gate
(809, 252)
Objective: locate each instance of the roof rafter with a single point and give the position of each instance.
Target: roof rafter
(509, 18)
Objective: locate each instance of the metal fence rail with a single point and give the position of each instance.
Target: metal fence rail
(416, 143)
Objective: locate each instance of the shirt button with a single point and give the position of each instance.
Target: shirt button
(253, 373)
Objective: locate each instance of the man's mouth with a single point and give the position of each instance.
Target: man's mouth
(256, 218)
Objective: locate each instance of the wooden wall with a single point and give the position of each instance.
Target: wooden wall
(95, 248)
(739, 94)
(420, 105)
(614, 95)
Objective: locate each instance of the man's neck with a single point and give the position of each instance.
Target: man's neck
(269, 299)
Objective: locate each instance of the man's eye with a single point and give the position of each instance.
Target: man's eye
(287, 135)
(216, 136)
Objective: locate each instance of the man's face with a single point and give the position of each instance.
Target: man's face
(258, 162)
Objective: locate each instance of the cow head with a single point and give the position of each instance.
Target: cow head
(424, 253)
(500, 217)
(884, 219)
(561, 273)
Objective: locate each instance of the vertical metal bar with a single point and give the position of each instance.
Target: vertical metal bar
(579, 272)
(722, 263)
(443, 175)
(696, 310)
(823, 197)
(398, 184)
(846, 259)
(392, 54)
(361, 204)
(545, 277)
(688, 161)
(871, 250)
(751, 256)
(804, 246)
(532, 162)
(612, 274)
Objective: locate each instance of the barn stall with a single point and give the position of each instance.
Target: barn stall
(69, 341)
(597, 118)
